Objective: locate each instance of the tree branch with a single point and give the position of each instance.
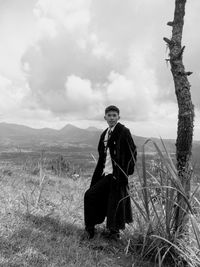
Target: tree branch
(168, 41)
(170, 23)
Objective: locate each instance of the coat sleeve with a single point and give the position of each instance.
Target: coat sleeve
(99, 166)
(131, 153)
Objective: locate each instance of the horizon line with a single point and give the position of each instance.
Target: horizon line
(99, 129)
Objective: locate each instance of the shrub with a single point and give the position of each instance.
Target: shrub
(154, 199)
(59, 166)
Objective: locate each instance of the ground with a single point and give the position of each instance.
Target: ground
(42, 223)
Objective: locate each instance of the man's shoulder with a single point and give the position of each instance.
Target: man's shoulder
(122, 130)
(126, 130)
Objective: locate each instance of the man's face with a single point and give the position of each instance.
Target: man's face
(112, 118)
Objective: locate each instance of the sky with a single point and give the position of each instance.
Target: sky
(64, 61)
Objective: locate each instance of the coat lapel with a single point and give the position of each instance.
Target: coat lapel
(116, 132)
(114, 136)
(101, 142)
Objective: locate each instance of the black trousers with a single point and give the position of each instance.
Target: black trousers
(96, 202)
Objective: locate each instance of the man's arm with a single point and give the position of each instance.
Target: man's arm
(99, 166)
(131, 153)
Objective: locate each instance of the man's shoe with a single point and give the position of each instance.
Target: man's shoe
(91, 232)
(105, 233)
(114, 235)
(88, 233)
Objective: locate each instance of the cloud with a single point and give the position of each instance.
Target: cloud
(73, 14)
(46, 27)
(17, 31)
(12, 98)
(72, 58)
(89, 63)
(134, 102)
(115, 68)
(84, 46)
(82, 97)
(17, 106)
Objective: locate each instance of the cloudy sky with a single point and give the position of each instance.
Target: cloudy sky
(63, 61)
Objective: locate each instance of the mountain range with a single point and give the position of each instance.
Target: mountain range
(24, 136)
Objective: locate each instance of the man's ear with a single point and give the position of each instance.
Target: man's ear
(104, 117)
(119, 118)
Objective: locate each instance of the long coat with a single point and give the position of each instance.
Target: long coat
(123, 155)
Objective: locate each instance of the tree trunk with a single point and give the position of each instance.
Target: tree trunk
(185, 111)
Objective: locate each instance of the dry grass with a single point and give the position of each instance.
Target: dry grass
(42, 222)
(154, 194)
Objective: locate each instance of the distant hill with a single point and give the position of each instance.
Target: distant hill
(20, 135)
(93, 129)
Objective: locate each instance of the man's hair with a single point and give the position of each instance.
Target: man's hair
(112, 108)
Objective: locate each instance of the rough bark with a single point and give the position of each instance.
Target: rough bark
(185, 109)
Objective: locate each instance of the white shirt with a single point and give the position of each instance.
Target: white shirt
(108, 169)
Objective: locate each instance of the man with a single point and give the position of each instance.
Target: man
(108, 196)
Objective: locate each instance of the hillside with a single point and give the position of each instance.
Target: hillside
(12, 135)
(46, 231)
(19, 135)
(41, 213)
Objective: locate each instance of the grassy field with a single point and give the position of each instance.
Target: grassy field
(42, 223)
(41, 214)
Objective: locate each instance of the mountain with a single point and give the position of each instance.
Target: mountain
(71, 131)
(20, 135)
(93, 129)
(7, 129)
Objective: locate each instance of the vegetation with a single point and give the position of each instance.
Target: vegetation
(42, 222)
(42, 219)
(154, 234)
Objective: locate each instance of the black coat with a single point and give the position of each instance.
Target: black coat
(123, 154)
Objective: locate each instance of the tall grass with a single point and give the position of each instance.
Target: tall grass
(33, 237)
(154, 196)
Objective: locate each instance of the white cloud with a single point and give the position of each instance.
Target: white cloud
(12, 95)
(73, 14)
(4, 82)
(120, 92)
(46, 26)
(99, 48)
(82, 99)
(16, 31)
(72, 58)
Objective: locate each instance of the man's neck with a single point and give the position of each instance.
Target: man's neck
(113, 126)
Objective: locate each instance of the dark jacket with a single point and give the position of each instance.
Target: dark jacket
(123, 154)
